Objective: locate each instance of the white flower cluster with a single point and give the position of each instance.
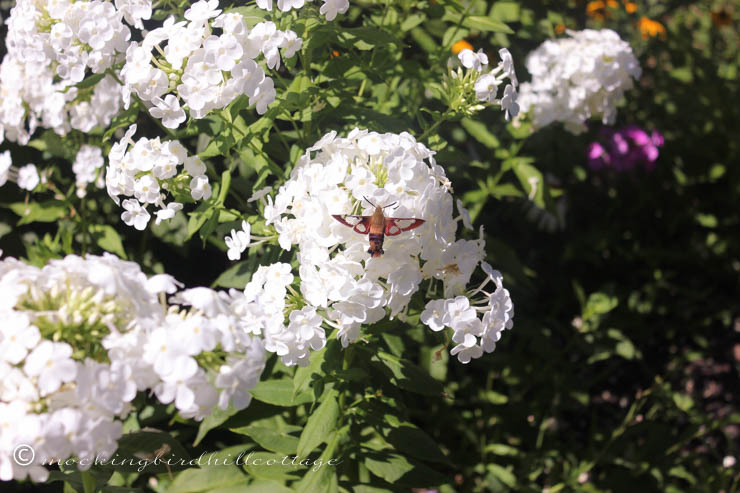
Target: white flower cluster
(147, 170)
(204, 70)
(578, 77)
(76, 35)
(487, 84)
(26, 177)
(474, 335)
(88, 161)
(82, 336)
(329, 9)
(50, 47)
(61, 391)
(347, 288)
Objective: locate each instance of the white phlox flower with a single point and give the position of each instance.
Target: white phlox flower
(339, 284)
(150, 170)
(329, 9)
(575, 78)
(204, 63)
(82, 336)
(50, 48)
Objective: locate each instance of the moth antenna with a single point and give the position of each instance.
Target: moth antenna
(368, 201)
(390, 205)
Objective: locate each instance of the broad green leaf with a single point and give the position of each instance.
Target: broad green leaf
(42, 212)
(683, 401)
(408, 376)
(412, 21)
(501, 449)
(108, 239)
(137, 452)
(532, 182)
(321, 422)
(263, 486)
(493, 397)
(90, 81)
(408, 438)
(272, 439)
(217, 417)
(122, 120)
(73, 476)
(238, 275)
(322, 476)
(279, 393)
(279, 467)
(52, 143)
(206, 479)
(424, 40)
(486, 24)
(302, 378)
(400, 470)
(480, 132)
(502, 474)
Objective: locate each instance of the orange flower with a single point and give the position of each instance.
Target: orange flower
(461, 45)
(559, 28)
(334, 54)
(612, 4)
(650, 28)
(595, 9)
(630, 7)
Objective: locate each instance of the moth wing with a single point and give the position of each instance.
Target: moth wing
(360, 224)
(397, 225)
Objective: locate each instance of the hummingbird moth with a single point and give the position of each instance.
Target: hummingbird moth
(377, 226)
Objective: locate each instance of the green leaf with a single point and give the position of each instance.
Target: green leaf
(224, 189)
(501, 449)
(408, 376)
(406, 437)
(262, 486)
(279, 393)
(424, 40)
(412, 21)
(54, 144)
(267, 465)
(90, 81)
(41, 212)
(707, 220)
(479, 131)
(238, 275)
(683, 401)
(502, 474)
(325, 478)
(493, 397)
(88, 482)
(400, 470)
(206, 479)
(73, 477)
(302, 377)
(321, 422)
(486, 24)
(217, 417)
(272, 439)
(532, 182)
(125, 119)
(137, 453)
(108, 239)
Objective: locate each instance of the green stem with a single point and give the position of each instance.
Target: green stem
(445, 116)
